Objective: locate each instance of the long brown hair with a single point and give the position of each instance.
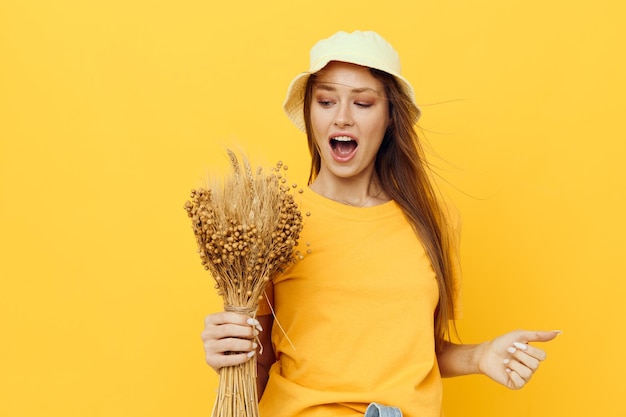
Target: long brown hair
(404, 174)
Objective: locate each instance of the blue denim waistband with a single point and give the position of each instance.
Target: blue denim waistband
(377, 410)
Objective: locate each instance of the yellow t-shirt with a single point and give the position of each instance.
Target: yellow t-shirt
(359, 311)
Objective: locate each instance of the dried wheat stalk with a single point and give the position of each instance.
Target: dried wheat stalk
(247, 230)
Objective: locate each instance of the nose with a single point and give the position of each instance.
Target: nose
(343, 117)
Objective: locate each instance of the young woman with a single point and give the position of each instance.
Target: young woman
(365, 316)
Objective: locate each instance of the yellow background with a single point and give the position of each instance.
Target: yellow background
(111, 111)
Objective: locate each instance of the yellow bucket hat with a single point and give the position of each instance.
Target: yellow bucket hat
(367, 49)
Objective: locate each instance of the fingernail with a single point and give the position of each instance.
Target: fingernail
(255, 323)
(520, 346)
(508, 370)
(255, 332)
(254, 345)
(506, 361)
(557, 331)
(510, 349)
(251, 353)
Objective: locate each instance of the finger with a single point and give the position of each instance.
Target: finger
(515, 380)
(539, 336)
(527, 360)
(225, 317)
(228, 352)
(220, 361)
(229, 331)
(531, 351)
(229, 346)
(519, 369)
(228, 317)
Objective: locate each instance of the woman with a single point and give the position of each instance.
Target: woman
(365, 316)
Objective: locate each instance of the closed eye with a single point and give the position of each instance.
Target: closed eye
(325, 103)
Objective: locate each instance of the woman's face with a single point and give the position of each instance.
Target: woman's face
(349, 116)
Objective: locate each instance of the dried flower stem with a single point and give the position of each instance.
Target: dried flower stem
(247, 231)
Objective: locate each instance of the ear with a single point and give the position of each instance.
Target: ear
(390, 121)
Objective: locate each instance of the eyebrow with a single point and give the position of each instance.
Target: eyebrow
(331, 87)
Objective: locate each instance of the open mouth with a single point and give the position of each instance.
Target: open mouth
(343, 146)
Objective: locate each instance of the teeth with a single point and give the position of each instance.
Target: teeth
(342, 139)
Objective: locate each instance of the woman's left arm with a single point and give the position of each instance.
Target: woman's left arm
(508, 359)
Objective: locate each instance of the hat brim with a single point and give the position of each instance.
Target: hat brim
(294, 102)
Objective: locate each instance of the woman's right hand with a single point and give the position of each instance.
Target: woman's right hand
(229, 339)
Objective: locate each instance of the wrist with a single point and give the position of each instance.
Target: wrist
(479, 353)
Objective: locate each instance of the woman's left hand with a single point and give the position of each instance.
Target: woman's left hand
(510, 359)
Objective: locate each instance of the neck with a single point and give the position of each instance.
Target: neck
(351, 192)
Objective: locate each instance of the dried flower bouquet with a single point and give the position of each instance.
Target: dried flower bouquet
(247, 230)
